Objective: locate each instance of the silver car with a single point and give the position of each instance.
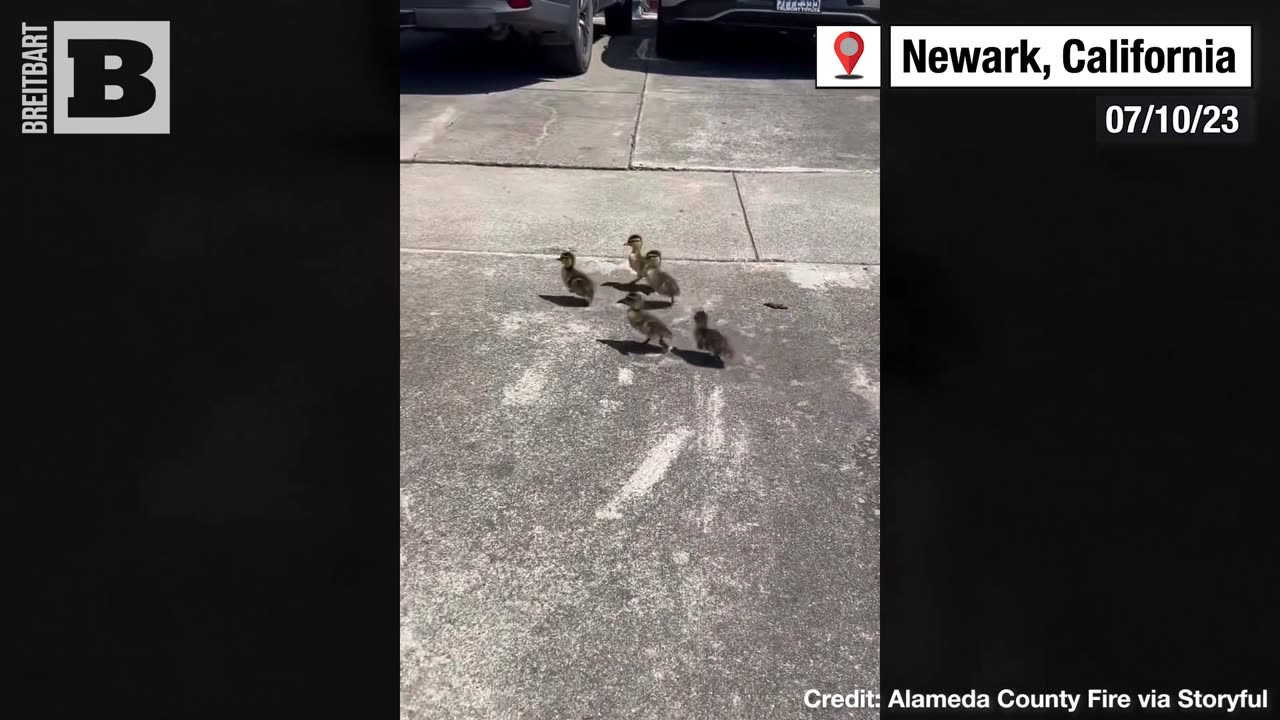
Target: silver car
(564, 27)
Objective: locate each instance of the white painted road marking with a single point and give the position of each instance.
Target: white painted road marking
(649, 473)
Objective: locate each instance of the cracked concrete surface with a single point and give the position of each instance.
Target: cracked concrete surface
(590, 528)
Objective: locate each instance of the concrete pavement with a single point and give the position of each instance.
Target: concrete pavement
(741, 105)
(590, 528)
(690, 215)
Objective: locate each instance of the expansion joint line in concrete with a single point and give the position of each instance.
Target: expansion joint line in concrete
(635, 131)
(643, 168)
(745, 261)
(746, 220)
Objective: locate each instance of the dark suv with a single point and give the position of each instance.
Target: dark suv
(679, 21)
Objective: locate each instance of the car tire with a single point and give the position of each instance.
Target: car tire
(673, 39)
(617, 19)
(574, 57)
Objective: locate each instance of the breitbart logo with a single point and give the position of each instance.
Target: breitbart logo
(95, 78)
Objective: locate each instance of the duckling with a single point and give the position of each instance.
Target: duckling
(576, 280)
(645, 323)
(710, 339)
(636, 259)
(660, 280)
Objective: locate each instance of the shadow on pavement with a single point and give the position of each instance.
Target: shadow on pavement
(565, 300)
(718, 52)
(465, 63)
(699, 358)
(629, 287)
(434, 63)
(633, 347)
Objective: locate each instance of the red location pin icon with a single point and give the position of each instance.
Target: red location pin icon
(849, 47)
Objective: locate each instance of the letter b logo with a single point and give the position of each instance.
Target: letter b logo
(111, 77)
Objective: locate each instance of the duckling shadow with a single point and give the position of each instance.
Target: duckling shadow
(656, 305)
(565, 300)
(629, 287)
(632, 347)
(699, 358)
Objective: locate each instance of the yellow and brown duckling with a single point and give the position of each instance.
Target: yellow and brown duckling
(574, 279)
(645, 323)
(710, 339)
(636, 257)
(659, 279)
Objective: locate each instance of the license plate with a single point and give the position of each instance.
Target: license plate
(804, 6)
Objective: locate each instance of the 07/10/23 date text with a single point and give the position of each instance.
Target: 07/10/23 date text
(1186, 120)
(1130, 119)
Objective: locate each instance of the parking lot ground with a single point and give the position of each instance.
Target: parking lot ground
(591, 528)
(738, 105)
(687, 215)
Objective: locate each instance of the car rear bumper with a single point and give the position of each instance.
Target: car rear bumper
(542, 15)
(764, 13)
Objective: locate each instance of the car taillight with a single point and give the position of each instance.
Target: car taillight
(520, 4)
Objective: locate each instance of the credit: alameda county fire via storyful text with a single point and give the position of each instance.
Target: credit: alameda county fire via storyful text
(1064, 701)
